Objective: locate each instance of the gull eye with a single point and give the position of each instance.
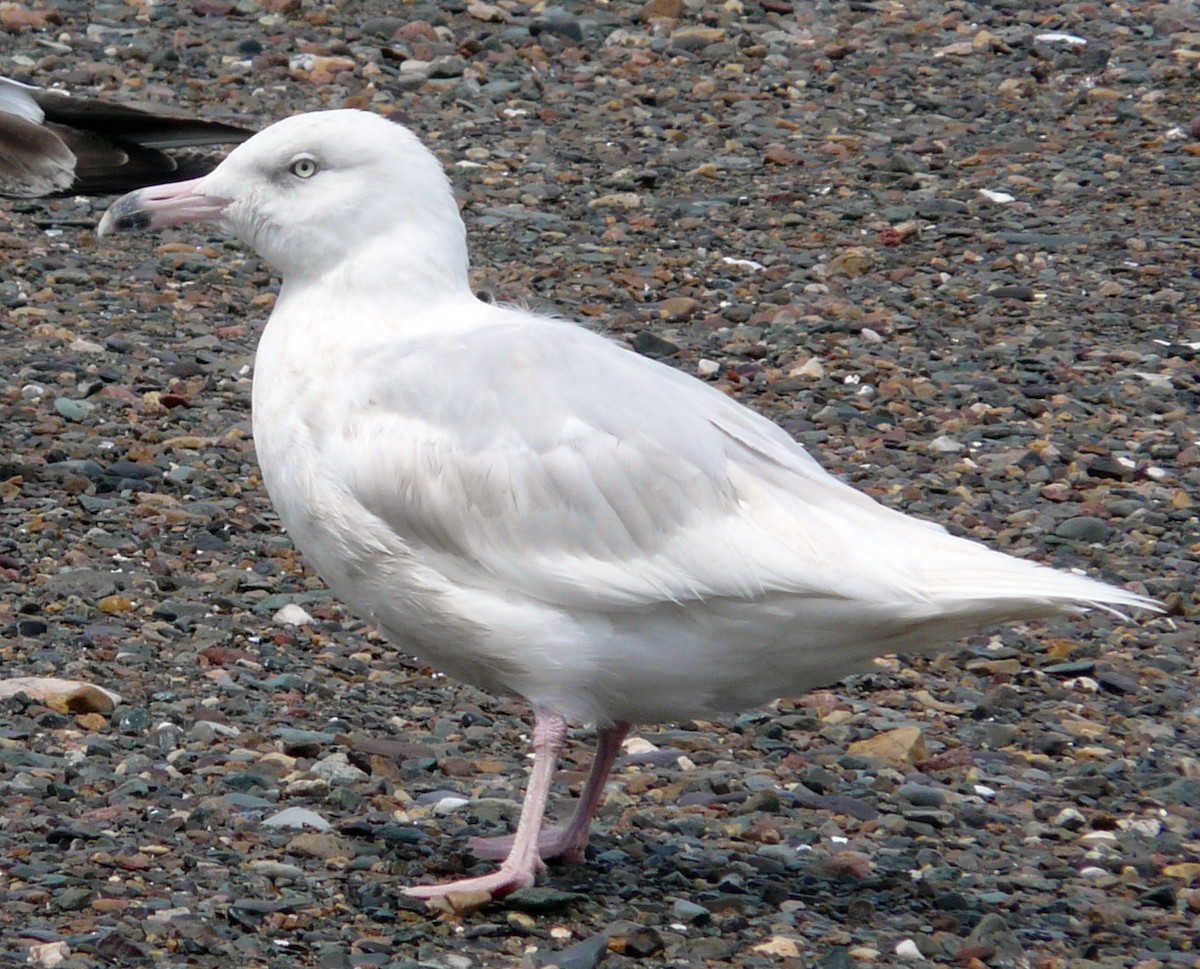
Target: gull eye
(303, 167)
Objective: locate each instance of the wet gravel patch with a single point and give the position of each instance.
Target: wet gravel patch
(951, 248)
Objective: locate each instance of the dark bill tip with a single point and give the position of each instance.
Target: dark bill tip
(162, 205)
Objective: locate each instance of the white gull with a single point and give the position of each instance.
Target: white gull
(532, 508)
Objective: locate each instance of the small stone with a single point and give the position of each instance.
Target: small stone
(320, 69)
(15, 18)
(521, 922)
(115, 604)
(1018, 292)
(297, 817)
(1185, 791)
(209, 731)
(73, 410)
(652, 345)
(587, 954)
(943, 444)
(838, 957)
(277, 870)
(448, 805)
(678, 308)
(697, 38)
(1188, 871)
(447, 67)
(616, 200)
(324, 845)
(1084, 528)
(1164, 896)
(74, 898)
(907, 949)
(487, 12)
(49, 954)
(993, 932)
(292, 615)
(904, 745)
(919, 795)
(460, 903)
(779, 947)
(852, 261)
(338, 771)
(689, 912)
(812, 368)
(65, 696)
(1115, 682)
(1069, 818)
(640, 942)
(555, 20)
(539, 901)
(661, 10)
(778, 155)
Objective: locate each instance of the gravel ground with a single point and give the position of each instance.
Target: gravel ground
(957, 261)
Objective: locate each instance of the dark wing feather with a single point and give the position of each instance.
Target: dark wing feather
(161, 128)
(86, 146)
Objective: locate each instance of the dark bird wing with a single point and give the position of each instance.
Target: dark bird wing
(55, 144)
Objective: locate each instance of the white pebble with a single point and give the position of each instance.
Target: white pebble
(448, 805)
(292, 615)
(86, 346)
(1056, 37)
(1069, 817)
(1143, 827)
(743, 263)
(338, 771)
(810, 368)
(946, 445)
(907, 949)
(707, 368)
(296, 817)
(49, 954)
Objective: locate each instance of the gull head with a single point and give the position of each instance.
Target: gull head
(315, 192)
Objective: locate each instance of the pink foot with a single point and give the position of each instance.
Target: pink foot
(555, 844)
(566, 842)
(524, 852)
(503, 881)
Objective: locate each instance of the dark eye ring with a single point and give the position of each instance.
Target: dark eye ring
(303, 168)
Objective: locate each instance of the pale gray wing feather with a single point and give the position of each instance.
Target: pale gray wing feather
(537, 455)
(33, 160)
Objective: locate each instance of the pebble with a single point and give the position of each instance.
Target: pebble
(337, 770)
(292, 615)
(296, 817)
(73, 410)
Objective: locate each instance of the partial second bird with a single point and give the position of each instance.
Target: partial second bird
(52, 143)
(538, 511)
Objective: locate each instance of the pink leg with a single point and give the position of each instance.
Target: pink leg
(520, 868)
(568, 842)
